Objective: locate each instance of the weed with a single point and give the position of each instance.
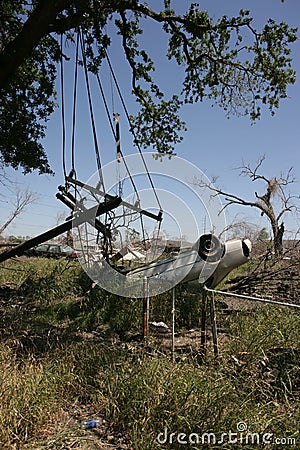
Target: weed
(58, 367)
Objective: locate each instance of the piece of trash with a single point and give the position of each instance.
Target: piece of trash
(159, 327)
(88, 424)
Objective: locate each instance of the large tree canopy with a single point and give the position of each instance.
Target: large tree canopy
(226, 60)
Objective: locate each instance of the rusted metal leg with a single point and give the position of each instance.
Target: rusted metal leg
(173, 324)
(203, 323)
(214, 324)
(145, 309)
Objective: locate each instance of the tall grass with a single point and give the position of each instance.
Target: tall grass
(32, 395)
(55, 371)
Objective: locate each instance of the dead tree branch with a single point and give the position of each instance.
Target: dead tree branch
(23, 198)
(274, 202)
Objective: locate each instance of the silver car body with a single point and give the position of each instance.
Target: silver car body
(189, 265)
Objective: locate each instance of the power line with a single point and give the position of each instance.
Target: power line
(62, 82)
(74, 103)
(132, 130)
(96, 146)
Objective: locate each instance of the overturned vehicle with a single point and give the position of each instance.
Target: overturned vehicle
(208, 260)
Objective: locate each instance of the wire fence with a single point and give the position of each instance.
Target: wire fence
(256, 299)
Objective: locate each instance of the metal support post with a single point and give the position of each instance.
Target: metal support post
(203, 323)
(173, 324)
(214, 324)
(145, 308)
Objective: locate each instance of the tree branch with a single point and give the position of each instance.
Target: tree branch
(22, 200)
(33, 30)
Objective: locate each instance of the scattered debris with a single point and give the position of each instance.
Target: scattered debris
(88, 424)
(278, 279)
(159, 327)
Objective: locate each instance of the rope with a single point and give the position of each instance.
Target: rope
(63, 107)
(91, 112)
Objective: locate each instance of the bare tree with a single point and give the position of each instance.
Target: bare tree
(273, 203)
(23, 198)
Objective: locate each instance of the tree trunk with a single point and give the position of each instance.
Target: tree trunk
(278, 238)
(7, 223)
(33, 30)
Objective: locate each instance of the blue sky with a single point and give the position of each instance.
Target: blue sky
(215, 144)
